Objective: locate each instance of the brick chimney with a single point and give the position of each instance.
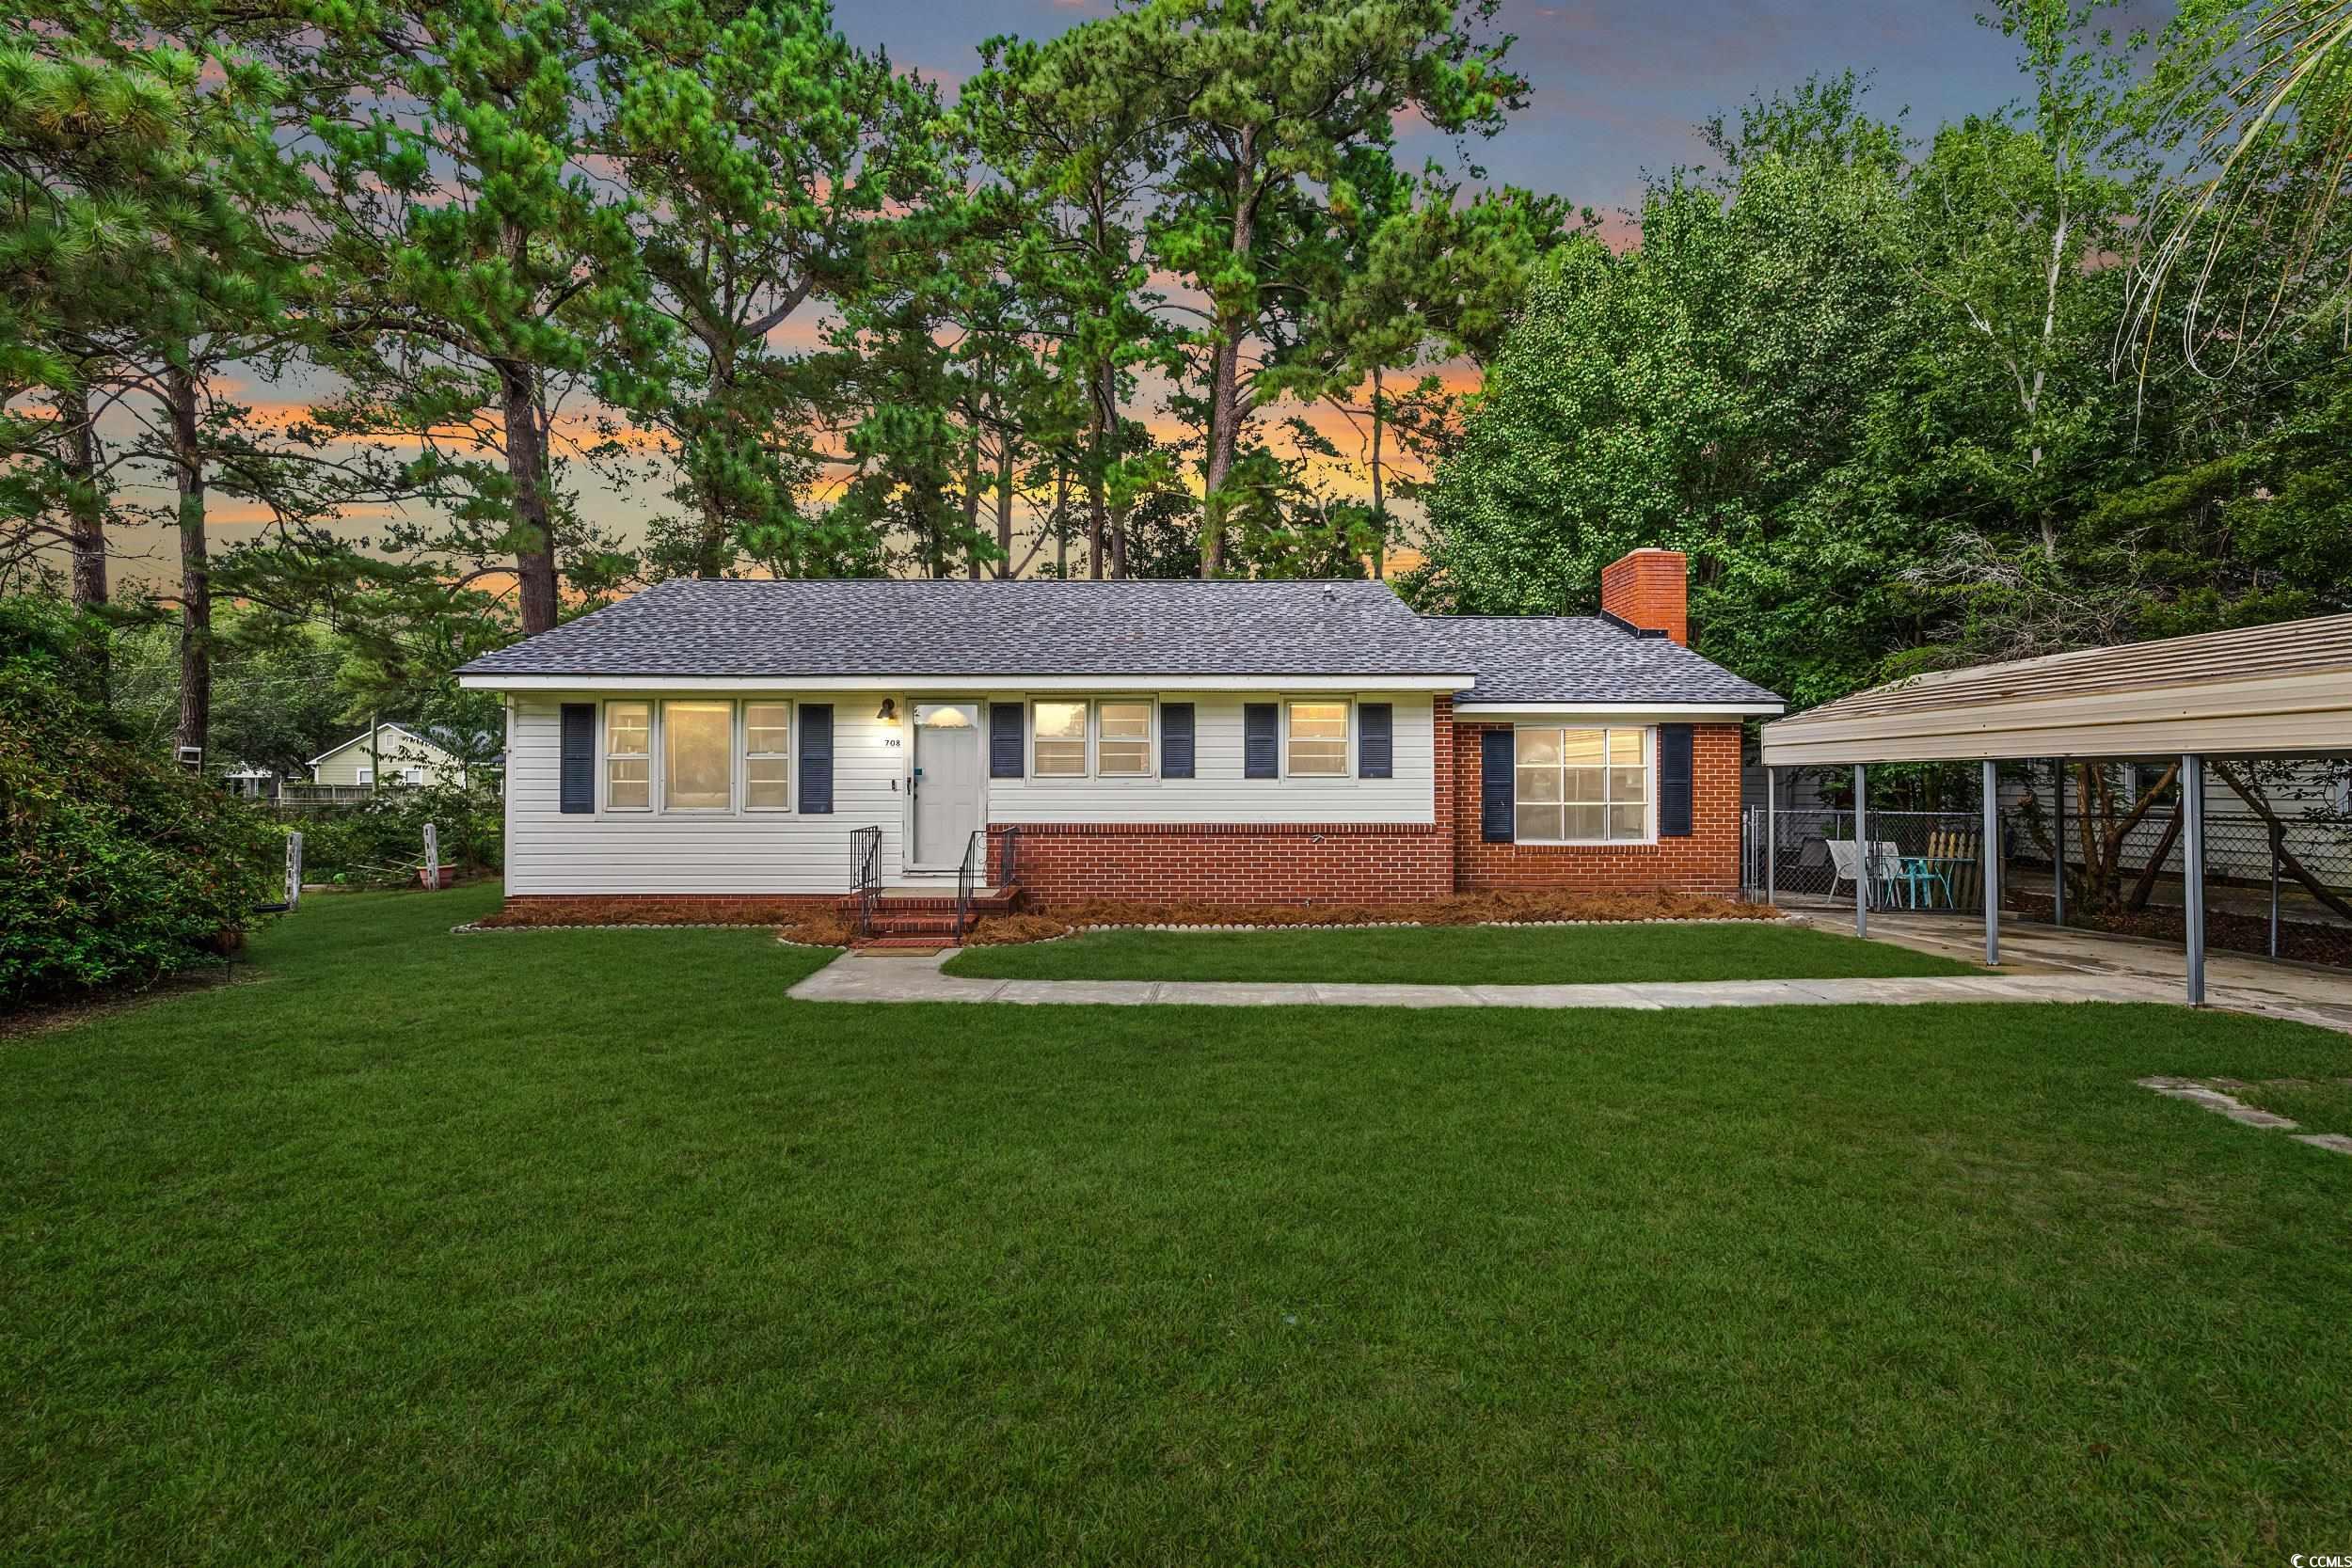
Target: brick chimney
(1649, 589)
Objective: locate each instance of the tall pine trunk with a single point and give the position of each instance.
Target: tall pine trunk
(526, 468)
(1380, 501)
(195, 574)
(86, 506)
(1224, 376)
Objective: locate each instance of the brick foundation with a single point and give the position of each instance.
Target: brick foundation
(1220, 863)
(1707, 862)
(620, 908)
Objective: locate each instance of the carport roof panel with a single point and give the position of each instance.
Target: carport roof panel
(2280, 690)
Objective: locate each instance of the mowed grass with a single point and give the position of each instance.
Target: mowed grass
(558, 1248)
(1460, 954)
(2321, 1106)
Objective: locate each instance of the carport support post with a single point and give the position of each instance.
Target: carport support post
(2058, 837)
(1861, 854)
(2193, 871)
(1991, 854)
(1771, 830)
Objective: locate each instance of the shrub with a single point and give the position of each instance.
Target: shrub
(122, 867)
(380, 841)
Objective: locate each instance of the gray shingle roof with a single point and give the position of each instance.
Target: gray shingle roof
(901, 627)
(1583, 658)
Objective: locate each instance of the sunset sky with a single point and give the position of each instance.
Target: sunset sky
(1615, 91)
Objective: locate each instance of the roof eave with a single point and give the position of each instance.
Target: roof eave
(1264, 680)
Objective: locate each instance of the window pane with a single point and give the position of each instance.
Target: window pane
(626, 728)
(1061, 721)
(1539, 823)
(1122, 759)
(1125, 722)
(1319, 721)
(767, 728)
(1320, 759)
(1318, 740)
(1625, 748)
(628, 786)
(1625, 784)
(1061, 759)
(1538, 745)
(1539, 784)
(1584, 785)
(1585, 821)
(765, 788)
(1582, 748)
(697, 755)
(1625, 822)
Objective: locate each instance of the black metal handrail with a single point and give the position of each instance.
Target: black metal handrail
(975, 857)
(1009, 858)
(865, 875)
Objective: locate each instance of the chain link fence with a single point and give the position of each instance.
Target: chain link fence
(2275, 887)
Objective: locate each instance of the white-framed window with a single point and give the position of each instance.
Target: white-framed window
(367, 774)
(412, 775)
(629, 756)
(1315, 738)
(1123, 738)
(1583, 786)
(1108, 737)
(697, 756)
(767, 757)
(1057, 748)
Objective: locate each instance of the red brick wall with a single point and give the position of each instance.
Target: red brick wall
(1225, 863)
(1707, 862)
(1651, 589)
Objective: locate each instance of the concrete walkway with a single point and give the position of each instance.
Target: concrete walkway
(2097, 970)
(916, 978)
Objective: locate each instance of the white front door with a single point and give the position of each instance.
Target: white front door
(946, 782)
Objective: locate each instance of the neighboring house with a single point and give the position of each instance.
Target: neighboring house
(403, 755)
(718, 741)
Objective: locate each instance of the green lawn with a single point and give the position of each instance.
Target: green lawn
(549, 1249)
(1460, 954)
(2321, 1106)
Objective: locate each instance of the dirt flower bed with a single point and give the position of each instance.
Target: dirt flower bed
(819, 928)
(1468, 908)
(548, 917)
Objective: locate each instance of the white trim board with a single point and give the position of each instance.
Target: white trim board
(891, 685)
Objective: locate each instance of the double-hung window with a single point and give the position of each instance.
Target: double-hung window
(629, 756)
(1582, 786)
(1077, 738)
(767, 757)
(1123, 740)
(1316, 746)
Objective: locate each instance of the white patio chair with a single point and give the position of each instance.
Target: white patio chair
(1845, 863)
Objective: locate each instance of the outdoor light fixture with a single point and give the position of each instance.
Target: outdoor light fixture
(889, 714)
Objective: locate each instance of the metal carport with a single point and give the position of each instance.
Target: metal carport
(2274, 691)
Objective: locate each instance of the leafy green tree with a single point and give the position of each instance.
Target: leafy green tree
(1710, 392)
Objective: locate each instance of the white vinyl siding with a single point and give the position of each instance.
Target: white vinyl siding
(747, 851)
(1218, 792)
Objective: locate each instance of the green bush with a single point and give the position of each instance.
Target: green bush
(380, 841)
(120, 866)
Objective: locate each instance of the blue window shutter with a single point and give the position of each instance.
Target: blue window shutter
(1375, 741)
(576, 787)
(1261, 740)
(1498, 791)
(817, 758)
(1674, 781)
(1004, 740)
(1175, 740)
